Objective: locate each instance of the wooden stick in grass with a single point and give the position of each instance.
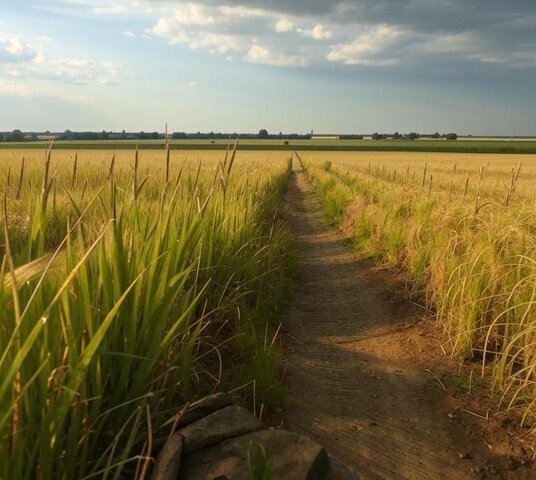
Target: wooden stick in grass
(424, 174)
(83, 189)
(167, 155)
(45, 185)
(135, 181)
(513, 182)
(54, 200)
(477, 201)
(21, 179)
(75, 165)
(111, 169)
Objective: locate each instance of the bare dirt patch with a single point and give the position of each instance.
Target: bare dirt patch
(367, 378)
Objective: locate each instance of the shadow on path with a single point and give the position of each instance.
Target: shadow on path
(352, 369)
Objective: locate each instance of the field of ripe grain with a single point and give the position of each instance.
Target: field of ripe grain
(130, 283)
(464, 227)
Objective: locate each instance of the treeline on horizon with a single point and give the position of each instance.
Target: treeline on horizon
(21, 136)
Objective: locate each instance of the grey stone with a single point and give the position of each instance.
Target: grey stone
(338, 470)
(197, 410)
(168, 463)
(225, 423)
(290, 456)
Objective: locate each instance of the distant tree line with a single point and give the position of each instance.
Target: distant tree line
(262, 135)
(14, 136)
(412, 136)
(19, 136)
(350, 137)
(104, 135)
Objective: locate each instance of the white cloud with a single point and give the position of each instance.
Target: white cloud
(243, 12)
(283, 25)
(194, 25)
(213, 42)
(224, 27)
(68, 70)
(193, 84)
(165, 28)
(111, 10)
(14, 50)
(261, 54)
(386, 45)
(318, 32)
(216, 43)
(25, 64)
(191, 14)
(376, 47)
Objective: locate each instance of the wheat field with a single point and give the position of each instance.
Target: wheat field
(131, 283)
(463, 227)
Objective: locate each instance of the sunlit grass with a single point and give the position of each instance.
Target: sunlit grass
(123, 296)
(468, 245)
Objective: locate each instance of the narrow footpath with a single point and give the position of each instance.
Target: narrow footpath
(365, 375)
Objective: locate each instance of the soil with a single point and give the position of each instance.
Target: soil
(366, 375)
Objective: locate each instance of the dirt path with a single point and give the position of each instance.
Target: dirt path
(361, 366)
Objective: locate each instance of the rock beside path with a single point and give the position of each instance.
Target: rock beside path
(201, 408)
(169, 461)
(289, 456)
(225, 423)
(221, 443)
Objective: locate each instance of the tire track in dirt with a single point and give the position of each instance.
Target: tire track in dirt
(359, 369)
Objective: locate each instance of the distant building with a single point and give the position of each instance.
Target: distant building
(46, 137)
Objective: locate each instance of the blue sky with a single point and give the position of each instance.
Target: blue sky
(333, 66)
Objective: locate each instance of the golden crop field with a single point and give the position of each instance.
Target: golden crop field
(133, 282)
(125, 293)
(464, 228)
(487, 175)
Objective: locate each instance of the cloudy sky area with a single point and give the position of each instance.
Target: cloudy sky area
(286, 65)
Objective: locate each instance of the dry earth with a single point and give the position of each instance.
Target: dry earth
(366, 376)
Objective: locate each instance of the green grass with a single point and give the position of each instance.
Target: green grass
(455, 146)
(124, 296)
(476, 266)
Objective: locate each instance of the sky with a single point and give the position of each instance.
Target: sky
(332, 66)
